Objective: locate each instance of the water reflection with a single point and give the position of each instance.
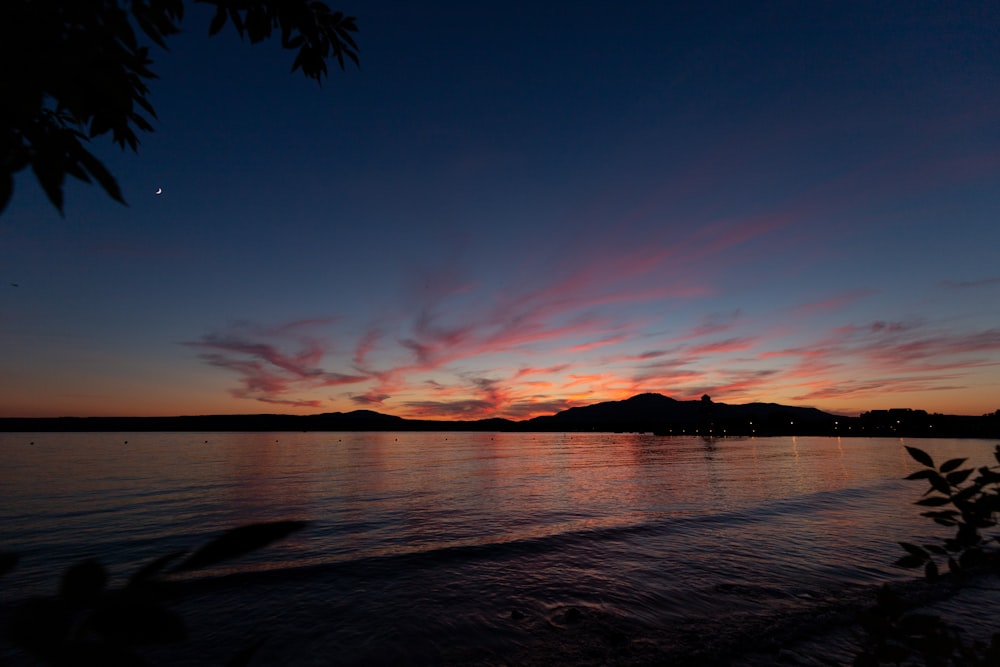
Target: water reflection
(376, 494)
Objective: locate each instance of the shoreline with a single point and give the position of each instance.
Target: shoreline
(809, 632)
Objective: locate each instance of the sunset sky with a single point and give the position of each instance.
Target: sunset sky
(515, 208)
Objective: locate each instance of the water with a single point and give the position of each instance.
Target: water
(428, 548)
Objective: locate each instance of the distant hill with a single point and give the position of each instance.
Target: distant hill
(357, 420)
(647, 413)
(661, 414)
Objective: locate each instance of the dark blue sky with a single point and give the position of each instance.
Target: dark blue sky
(512, 209)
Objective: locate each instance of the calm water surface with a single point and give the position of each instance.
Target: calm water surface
(421, 545)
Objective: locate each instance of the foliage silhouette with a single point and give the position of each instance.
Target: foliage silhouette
(88, 623)
(975, 505)
(237, 542)
(76, 70)
(897, 636)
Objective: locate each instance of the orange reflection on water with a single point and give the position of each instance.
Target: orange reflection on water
(368, 494)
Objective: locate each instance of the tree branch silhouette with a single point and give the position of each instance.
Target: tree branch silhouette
(73, 71)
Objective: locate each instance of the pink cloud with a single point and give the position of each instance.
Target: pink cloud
(712, 324)
(537, 406)
(370, 398)
(366, 345)
(593, 345)
(459, 332)
(527, 371)
(553, 312)
(831, 304)
(735, 385)
(879, 358)
(726, 346)
(668, 375)
(876, 386)
(282, 401)
(467, 409)
(266, 372)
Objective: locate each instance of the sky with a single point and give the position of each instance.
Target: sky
(513, 208)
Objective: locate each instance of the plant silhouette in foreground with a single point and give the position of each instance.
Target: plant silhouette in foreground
(970, 505)
(86, 622)
(974, 506)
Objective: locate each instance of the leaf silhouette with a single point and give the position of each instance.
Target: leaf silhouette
(6, 190)
(218, 21)
(239, 541)
(958, 476)
(951, 464)
(101, 173)
(50, 177)
(920, 456)
(939, 483)
(914, 549)
(910, 561)
(933, 501)
(966, 494)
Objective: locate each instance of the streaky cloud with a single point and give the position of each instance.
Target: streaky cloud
(970, 284)
(834, 303)
(721, 346)
(267, 373)
(371, 398)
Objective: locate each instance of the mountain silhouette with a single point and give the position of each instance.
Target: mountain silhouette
(645, 413)
(662, 414)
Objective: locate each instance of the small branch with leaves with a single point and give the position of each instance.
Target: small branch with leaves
(970, 506)
(895, 634)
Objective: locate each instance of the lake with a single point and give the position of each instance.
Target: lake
(434, 548)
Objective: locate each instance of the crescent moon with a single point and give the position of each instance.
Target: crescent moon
(159, 191)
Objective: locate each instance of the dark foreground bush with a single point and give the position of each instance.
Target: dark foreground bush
(88, 623)
(971, 505)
